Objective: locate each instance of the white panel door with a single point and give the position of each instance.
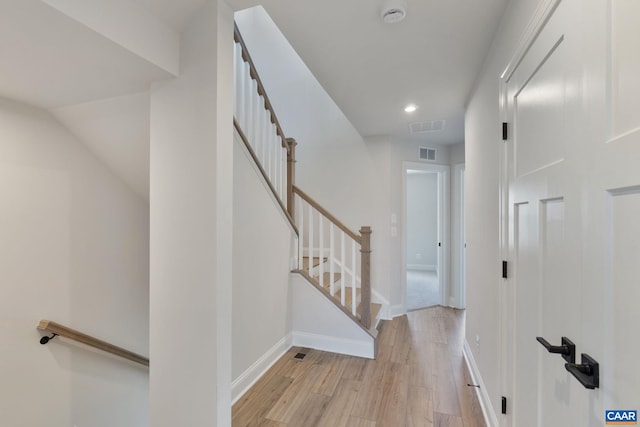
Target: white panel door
(573, 207)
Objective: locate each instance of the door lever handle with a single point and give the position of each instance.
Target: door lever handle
(588, 372)
(567, 349)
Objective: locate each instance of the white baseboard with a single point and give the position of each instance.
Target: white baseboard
(490, 418)
(334, 345)
(422, 267)
(396, 310)
(249, 377)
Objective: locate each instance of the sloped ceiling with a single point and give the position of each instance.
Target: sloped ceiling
(372, 70)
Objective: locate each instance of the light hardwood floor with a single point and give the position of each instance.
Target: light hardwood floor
(418, 379)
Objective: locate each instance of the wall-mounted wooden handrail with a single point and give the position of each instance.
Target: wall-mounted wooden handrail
(254, 75)
(63, 331)
(327, 214)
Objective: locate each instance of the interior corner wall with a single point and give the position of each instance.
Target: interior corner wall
(482, 134)
(74, 250)
(191, 228)
(262, 236)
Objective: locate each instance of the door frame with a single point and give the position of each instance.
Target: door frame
(457, 298)
(542, 14)
(442, 172)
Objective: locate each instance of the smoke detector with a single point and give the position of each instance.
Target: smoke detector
(393, 11)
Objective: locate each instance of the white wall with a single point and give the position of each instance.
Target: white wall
(364, 185)
(327, 141)
(483, 139)
(262, 240)
(422, 221)
(191, 228)
(73, 249)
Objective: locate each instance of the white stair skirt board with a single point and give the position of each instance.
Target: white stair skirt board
(248, 378)
(318, 323)
(490, 418)
(332, 344)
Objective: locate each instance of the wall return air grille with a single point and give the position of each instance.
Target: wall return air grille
(427, 153)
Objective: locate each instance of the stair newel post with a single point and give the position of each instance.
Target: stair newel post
(365, 276)
(291, 174)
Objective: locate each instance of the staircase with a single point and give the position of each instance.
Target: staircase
(332, 258)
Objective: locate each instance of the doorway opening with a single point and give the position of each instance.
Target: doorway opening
(425, 257)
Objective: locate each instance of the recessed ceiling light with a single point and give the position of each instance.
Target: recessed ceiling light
(410, 108)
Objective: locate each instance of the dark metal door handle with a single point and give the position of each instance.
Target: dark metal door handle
(588, 372)
(567, 349)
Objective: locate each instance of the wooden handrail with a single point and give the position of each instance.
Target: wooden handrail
(63, 331)
(261, 90)
(327, 214)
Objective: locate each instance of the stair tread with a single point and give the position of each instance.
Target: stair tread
(348, 296)
(327, 279)
(316, 262)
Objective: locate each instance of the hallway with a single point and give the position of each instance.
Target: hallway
(418, 379)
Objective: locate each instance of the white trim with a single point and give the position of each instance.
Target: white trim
(422, 267)
(457, 296)
(397, 310)
(489, 414)
(536, 23)
(248, 378)
(334, 345)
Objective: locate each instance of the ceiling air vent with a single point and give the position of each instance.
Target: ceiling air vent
(429, 126)
(428, 154)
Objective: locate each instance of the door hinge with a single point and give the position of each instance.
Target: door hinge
(504, 269)
(504, 405)
(505, 134)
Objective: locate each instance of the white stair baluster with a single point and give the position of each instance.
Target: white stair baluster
(236, 81)
(267, 156)
(321, 246)
(310, 251)
(276, 164)
(342, 261)
(353, 277)
(283, 173)
(301, 234)
(260, 134)
(246, 99)
(255, 113)
(332, 278)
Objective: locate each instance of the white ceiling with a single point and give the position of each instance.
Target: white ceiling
(97, 88)
(372, 70)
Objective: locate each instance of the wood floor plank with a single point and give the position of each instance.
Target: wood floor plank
(419, 407)
(310, 411)
(354, 369)
(254, 405)
(338, 411)
(367, 405)
(418, 379)
(360, 422)
(446, 420)
(393, 405)
(445, 392)
(295, 395)
(331, 374)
